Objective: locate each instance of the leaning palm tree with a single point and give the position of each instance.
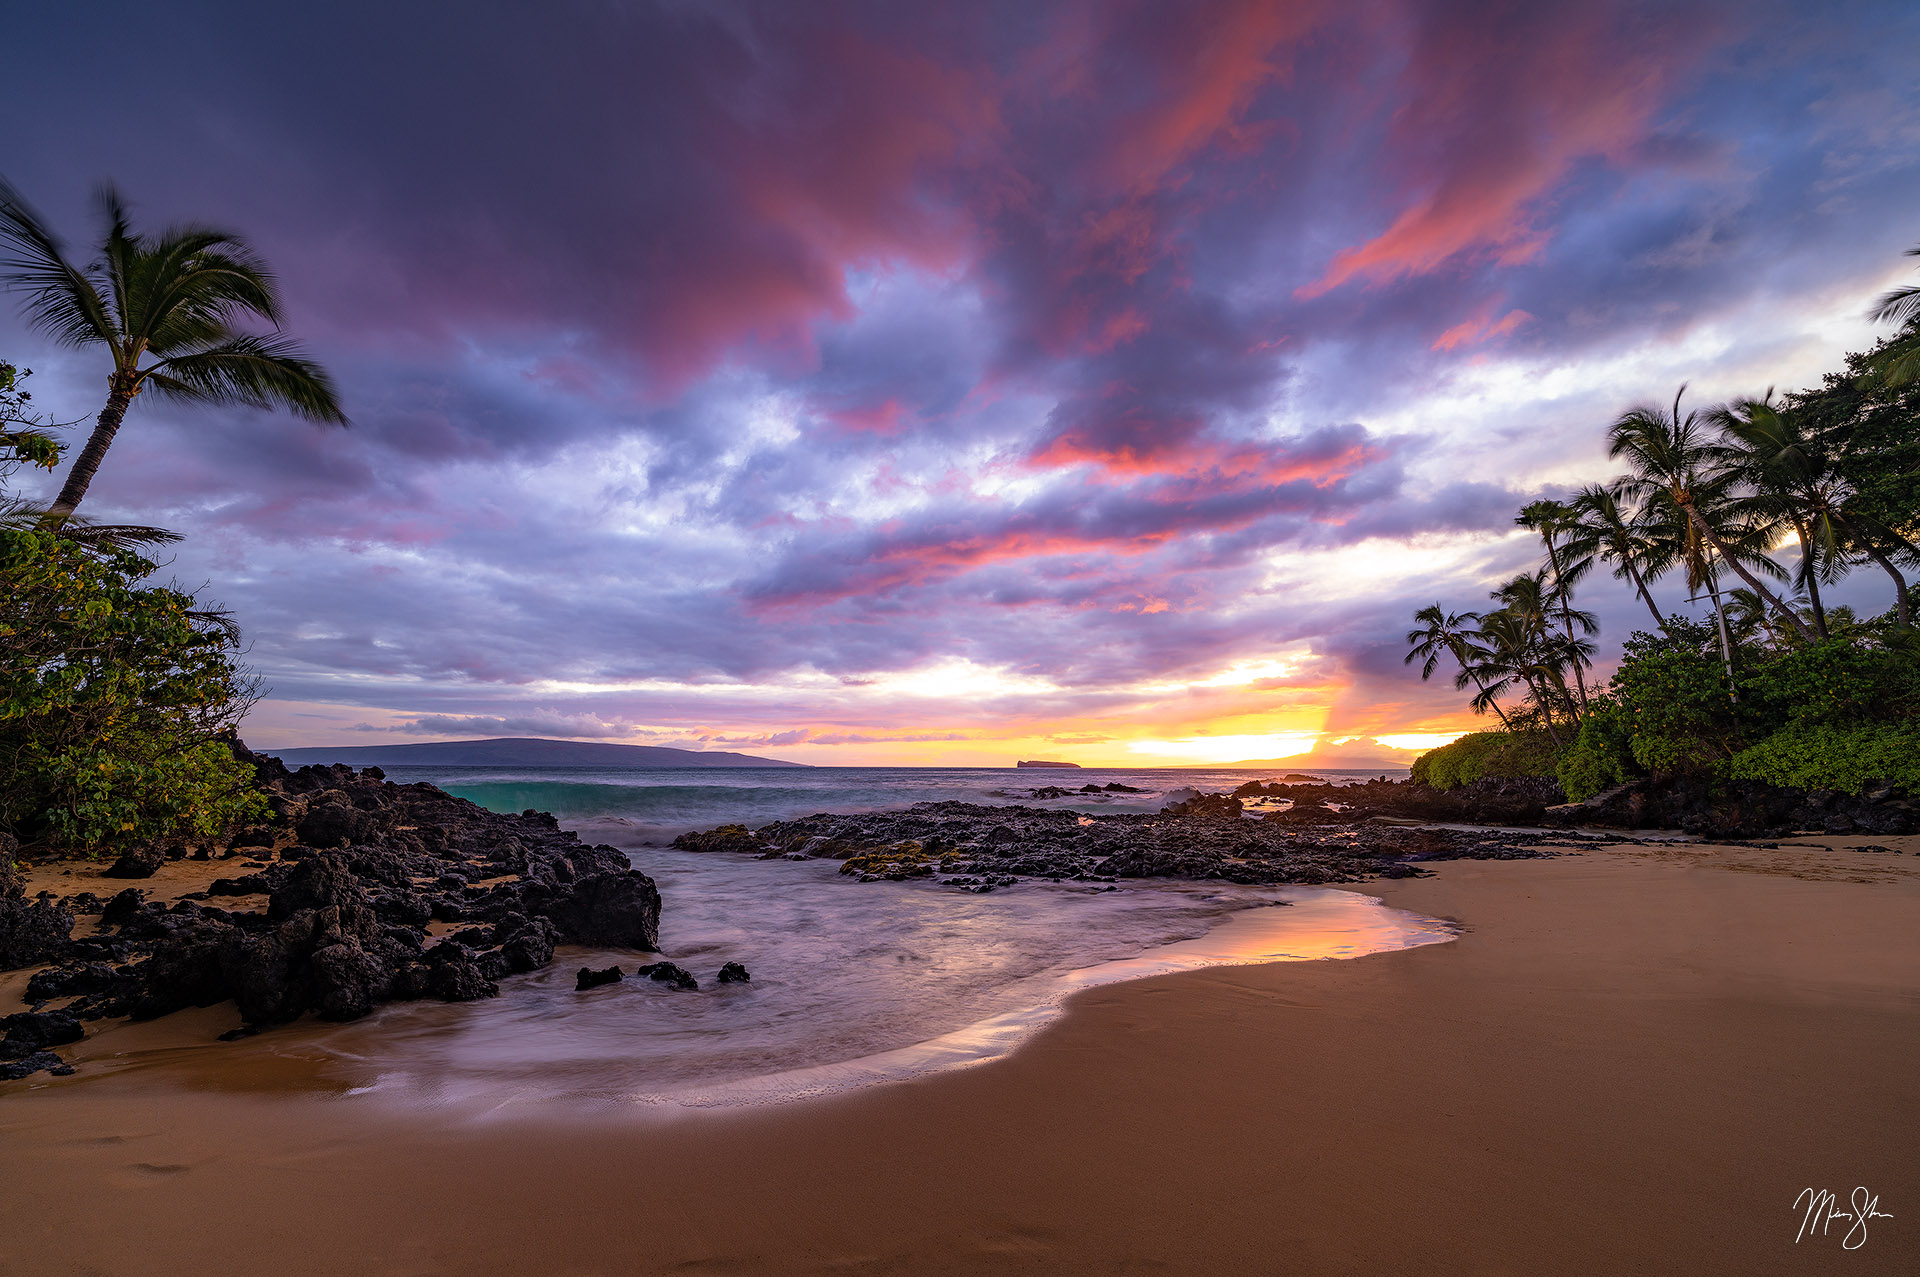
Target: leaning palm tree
(1450, 633)
(166, 307)
(28, 440)
(1605, 529)
(1672, 462)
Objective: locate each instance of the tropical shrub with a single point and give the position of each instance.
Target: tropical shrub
(1825, 756)
(1672, 691)
(1478, 755)
(1602, 755)
(116, 700)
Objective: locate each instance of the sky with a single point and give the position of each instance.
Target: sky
(867, 383)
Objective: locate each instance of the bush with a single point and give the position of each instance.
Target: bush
(116, 701)
(1602, 755)
(1502, 755)
(1825, 756)
(1672, 691)
(1837, 681)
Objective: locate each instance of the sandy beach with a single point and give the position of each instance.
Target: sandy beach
(1633, 1060)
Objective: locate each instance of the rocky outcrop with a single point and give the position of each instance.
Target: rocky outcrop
(1743, 809)
(979, 848)
(338, 920)
(31, 931)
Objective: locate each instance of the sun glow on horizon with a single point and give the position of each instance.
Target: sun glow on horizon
(1228, 749)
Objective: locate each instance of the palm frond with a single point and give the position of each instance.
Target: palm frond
(259, 372)
(61, 300)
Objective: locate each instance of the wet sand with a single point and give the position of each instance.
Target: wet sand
(1632, 1060)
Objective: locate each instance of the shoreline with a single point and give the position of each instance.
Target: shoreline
(1631, 1058)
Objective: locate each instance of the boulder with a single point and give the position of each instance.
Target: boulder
(452, 976)
(619, 910)
(530, 947)
(334, 824)
(344, 981)
(72, 980)
(120, 910)
(32, 932)
(668, 973)
(591, 979)
(14, 1070)
(141, 861)
(33, 1030)
(1208, 806)
(733, 973)
(725, 838)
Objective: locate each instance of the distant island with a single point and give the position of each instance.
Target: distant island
(1039, 762)
(520, 751)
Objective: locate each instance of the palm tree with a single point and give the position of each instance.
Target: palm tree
(1604, 529)
(1671, 462)
(1748, 614)
(165, 306)
(1507, 649)
(1449, 633)
(1791, 474)
(1776, 463)
(1528, 599)
(1901, 306)
(1555, 522)
(27, 440)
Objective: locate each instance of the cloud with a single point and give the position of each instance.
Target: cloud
(775, 355)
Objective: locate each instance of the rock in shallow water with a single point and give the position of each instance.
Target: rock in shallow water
(733, 973)
(669, 974)
(591, 979)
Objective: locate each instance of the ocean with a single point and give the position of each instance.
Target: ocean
(853, 983)
(632, 807)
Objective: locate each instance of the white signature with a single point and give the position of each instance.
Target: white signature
(1823, 1208)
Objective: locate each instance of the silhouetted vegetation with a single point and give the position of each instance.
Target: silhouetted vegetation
(1775, 685)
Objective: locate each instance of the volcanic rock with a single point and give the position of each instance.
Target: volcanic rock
(590, 979)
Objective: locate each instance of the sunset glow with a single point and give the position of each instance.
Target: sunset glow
(860, 384)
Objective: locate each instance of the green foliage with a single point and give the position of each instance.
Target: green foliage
(1826, 756)
(115, 700)
(1502, 755)
(1871, 425)
(23, 436)
(1841, 680)
(1672, 693)
(1602, 755)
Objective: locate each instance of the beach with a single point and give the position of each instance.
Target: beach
(1631, 1060)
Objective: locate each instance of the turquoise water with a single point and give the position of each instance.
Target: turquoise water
(634, 807)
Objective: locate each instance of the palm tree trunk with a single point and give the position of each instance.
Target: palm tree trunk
(1726, 647)
(1645, 597)
(1813, 580)
(84, 465)
(1753, 582)
(1566, 619)
(1902, 617)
